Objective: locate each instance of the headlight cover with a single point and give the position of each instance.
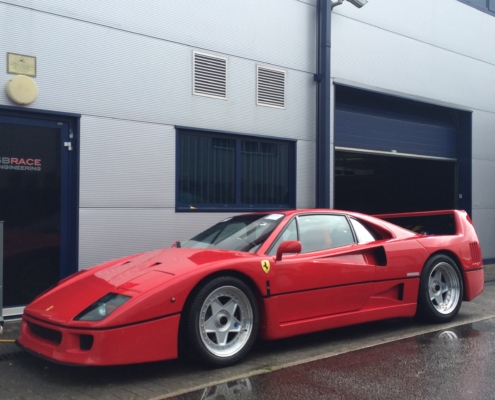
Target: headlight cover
(103, 307)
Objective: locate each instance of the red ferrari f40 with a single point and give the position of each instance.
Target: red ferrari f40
(265, 275)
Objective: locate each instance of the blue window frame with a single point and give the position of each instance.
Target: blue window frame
(219, 171)
(487, 6)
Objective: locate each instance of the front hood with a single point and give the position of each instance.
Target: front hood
(131, 276)
(171, 261)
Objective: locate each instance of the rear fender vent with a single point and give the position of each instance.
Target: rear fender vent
(475, 253)
(209, 75)
(270, 87)
(380, 256)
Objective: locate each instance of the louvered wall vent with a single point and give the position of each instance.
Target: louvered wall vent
(270, 87)
(210, 75)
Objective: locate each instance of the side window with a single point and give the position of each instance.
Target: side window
(364, 235)
(319, 232)
(290, 233)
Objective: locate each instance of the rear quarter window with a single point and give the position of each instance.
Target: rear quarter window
(364, 233)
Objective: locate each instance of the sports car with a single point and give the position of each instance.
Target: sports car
(266, 275)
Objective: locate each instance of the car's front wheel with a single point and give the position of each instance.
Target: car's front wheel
(222, 321)
(440, 290)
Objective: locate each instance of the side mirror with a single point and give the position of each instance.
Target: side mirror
(288, 247)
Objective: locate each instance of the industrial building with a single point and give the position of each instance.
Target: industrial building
(125, 126)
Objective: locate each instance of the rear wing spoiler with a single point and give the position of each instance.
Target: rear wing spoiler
(443, 222)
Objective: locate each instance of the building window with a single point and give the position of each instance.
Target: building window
(225, 172)
(484, 5)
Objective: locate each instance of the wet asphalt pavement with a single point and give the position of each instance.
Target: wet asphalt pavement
(457, 363)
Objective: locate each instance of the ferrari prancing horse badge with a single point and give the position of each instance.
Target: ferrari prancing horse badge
(265, 265)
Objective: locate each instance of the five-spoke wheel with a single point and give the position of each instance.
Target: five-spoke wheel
(441, 289)
(222, 321)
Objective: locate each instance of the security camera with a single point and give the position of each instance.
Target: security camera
(358, 3)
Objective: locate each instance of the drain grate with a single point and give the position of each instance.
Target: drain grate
(12, 356)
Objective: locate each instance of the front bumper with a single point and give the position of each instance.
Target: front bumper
(143, 342)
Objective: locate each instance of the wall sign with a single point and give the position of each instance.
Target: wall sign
(19, 64)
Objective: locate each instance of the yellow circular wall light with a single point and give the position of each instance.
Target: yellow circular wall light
(21, 89)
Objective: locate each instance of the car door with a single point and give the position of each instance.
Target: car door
(331, 275)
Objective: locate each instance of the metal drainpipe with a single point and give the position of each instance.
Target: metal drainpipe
(323, 109)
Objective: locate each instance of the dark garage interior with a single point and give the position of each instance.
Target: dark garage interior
(374, 184)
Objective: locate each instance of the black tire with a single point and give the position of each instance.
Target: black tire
(441, 290)
(221, 322)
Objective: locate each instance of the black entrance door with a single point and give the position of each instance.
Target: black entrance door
(34, 166)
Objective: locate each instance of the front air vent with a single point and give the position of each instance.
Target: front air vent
(86, 342)
(270, 87)
(46, 333)
(210, 75)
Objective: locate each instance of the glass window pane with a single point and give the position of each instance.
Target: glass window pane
(30, 206)
(319, 232)
(206, 170)
(290, 233)
(265, 173)
(233, 172)
(362, 233)
(241, 233)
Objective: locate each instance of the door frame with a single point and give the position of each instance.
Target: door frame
(70, 184)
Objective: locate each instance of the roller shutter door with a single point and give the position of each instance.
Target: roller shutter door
(375, 122)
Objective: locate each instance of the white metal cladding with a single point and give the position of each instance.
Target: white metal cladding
(483, 187)
(484, 222)
(484, 139)
(431, 22)
(132, 86)
(129, 103)
(270, 87)
(275, 32)
(110, 233)
(414, 48)
(209, 75)
(126, 164)
(483, 178)
(383, 59)
(305, 174)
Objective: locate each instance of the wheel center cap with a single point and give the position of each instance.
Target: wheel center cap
(222, 320)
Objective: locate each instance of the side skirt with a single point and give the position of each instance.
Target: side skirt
(391, 299)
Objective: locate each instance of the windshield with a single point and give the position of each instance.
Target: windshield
(242, 233)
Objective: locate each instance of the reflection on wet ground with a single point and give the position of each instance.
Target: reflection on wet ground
(456, 363)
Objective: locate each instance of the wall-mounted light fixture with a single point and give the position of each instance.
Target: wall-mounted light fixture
(358, 3)
(355, 3)
(22, 90)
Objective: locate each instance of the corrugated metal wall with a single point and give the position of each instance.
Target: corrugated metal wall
(126, 66)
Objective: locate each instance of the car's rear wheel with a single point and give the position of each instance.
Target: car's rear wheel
(441, 290)
(222, 321)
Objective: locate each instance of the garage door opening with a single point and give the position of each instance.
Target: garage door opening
(374, 184)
